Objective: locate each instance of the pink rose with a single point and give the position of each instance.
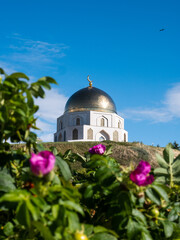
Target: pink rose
(143, 167)
(98, 149)
(140, 175)
(42, 163)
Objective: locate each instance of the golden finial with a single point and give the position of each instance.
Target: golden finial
(90, 82)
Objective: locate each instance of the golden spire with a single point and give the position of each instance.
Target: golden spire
(90, 82)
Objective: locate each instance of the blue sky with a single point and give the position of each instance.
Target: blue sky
(118, 43)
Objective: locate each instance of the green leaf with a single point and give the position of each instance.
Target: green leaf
(55, 210)
(176, 180)
(139, 216)
(176, 167)
(2, 71)
(133, 229)
(108, 150)
(146, 236)
(44, 84)
(125, 202)
(103, 236)
(73, 220)
(54, 150)
(40, 147)
(153, 196)
(103, 173)
(161, 172)
(21, 112)
(48, 79)
(99, 229)
(45, 232)
(29, 99)
(64, 167)
(33, 210)
(88, 193)
(8, 83)
(22, 214)
(41, 92)
(161, 161)
(88, 229)
(173, 168)
(72, 206)
(177, 158)
(26, 134)
(39, 202)
(160, 190)
(18, 75)
(80, 158)
(173, 215)
(8, 229)
(37, 90)
(168, 228)
(56, 180)
(168, 154)
(6, 182)
(15, 196)
(67, 154)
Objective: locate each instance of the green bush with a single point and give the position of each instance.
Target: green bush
(100, 201)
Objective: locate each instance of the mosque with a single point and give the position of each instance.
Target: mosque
(90, 115)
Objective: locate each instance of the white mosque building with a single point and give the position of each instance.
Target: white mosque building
(90, 115)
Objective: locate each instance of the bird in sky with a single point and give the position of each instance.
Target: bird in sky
(161, 29)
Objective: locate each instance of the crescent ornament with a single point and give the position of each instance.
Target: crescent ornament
(90, 82)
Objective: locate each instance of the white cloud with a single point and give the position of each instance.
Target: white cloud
(32, 53)
(52, 106)
(29, 50)
(169, 110)
(173, 100)
(153, 115)
(7, 67)
(44, 126)
(49, 137)
(24, 54)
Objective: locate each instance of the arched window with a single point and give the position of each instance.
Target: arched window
(115, 136)
(75, 134)
(119, 124)
(60, 138)
(61, 125)
(64, 136)
(77, 121)
(102, 122)
(124, 137)
(90, 134)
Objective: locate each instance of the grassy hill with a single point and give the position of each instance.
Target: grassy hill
(124, 153)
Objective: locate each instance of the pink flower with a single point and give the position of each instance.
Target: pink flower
(98, 149)
(143, 167)
(140, 175)
(42, 163)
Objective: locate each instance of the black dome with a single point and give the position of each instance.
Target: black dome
(90, 99)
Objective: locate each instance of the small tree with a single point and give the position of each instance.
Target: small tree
(17, 107)
(175, 145)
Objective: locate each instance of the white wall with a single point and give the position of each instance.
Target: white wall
(91, 119)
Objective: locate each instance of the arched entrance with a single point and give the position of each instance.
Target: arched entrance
(60, 138)
(102, 135)
(75, 134)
